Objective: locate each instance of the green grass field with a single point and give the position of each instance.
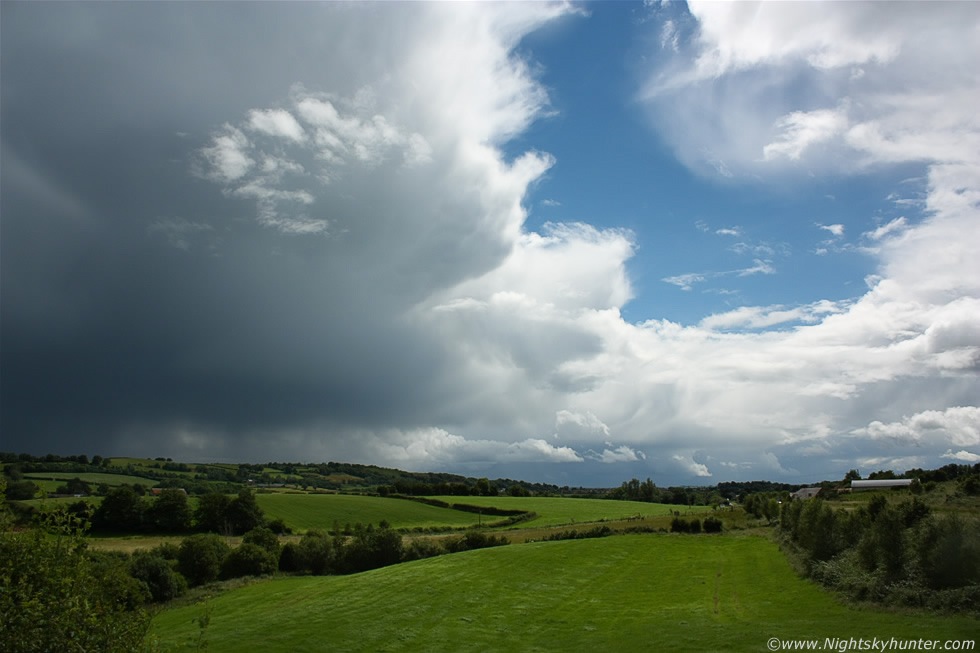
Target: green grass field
(305, 511)
(641, 592)
(557, 511)
(92, 478)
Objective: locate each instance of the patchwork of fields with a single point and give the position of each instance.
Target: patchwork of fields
(304, 511)
(646, 592)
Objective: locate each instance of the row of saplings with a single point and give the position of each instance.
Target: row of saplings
(168, 570)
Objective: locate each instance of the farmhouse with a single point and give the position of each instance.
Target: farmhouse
(874, 485)
(805, 493)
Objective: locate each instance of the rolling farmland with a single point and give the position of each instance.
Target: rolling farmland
(650, 592)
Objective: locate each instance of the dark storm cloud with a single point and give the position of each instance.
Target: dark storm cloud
(141, 291)
(103, 322)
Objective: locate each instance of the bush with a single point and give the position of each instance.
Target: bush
(162, 581)
(712, 525)
(418, 549)
(278, 526)
(370, 548)
(248, 560)
(678, 525)
(290, 559)
(21, 491)
(316, 552)
(474, 540)
(58, 597)
(200, 558)
(264, 538)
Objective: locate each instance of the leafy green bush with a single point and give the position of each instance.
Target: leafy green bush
(200, 558)
(264, 538)
(162, 581)
(712, 525)
(290, 558)
(316, 552)
(418, 549)
(248, 560)
(473, 540)
(278, 526)
(56, 596)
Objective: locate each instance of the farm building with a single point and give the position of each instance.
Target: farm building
(805, 493)
(875, 485)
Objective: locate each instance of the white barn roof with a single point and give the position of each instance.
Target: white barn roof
(891, 482)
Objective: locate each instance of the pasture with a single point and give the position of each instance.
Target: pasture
(638, 592)
(558, 511)
(304, 511)
(51, 480)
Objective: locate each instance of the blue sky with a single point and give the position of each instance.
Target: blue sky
(571, 243)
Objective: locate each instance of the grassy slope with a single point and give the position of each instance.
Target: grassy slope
(556, 511)
(304, 511)
(649, 592)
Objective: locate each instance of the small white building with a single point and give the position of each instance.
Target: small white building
(881, 483)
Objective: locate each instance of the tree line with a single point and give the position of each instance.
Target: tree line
(898, 554)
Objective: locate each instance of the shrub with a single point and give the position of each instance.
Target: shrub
(278, 526)
(370, 548)
(316, 552)
(248, 560)
(200, 558)
(156, 573)
(290, 559)
(58, 597)
(678, 525)
(264, 538)
(712, 525)
(418, 549)
(21, 491)
(474, 540)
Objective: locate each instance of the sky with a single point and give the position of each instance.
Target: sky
(564, 243)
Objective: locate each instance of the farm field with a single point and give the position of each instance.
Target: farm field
(305, 511)
(92, 478)
(650, 592)
(558, 511)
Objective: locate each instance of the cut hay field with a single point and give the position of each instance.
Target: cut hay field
(305, 511)
(558, 511)
(639, 592)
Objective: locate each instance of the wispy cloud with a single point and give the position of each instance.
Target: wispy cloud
(836, 229)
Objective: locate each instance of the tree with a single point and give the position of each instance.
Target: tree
(485, 489)
(211, 514)
(170, 512)
(244, 512)
(121, 510)
(21, 491)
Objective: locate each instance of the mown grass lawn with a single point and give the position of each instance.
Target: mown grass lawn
(559, 511)
(305, 511)
(638, 592)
